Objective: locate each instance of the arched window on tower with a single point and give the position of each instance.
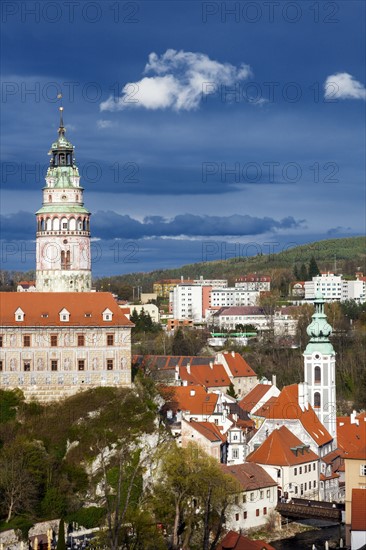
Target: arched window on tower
(317, 400)
(65, 259)
(49, 198)
(317, 375)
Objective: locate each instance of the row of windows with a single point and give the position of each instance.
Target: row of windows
(257, 513)
(307, 468)
(54, 340)
(54, 365)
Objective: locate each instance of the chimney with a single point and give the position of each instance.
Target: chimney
(189, 368)
(354, 420)
(303, 396)
(211, 365)
(192, 393)
(235, 417)
(185, 382)
(182, 278)
(274, 380)
(233, 353)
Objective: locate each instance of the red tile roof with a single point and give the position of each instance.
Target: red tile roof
(205, 375)
(237, 365)
(286, 407)
(357, 454)
(43, 309)
(194, 399)
(250, 476)
(277, 450)
(236, 541)
(351, 436)
(254, 396)
(208, 429)
(358, 510)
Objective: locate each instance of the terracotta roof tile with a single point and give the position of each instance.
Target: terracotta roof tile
(205, 375)
(277, 450)
(254, 396)
(250, 476)
(351, 436)
(209, 430)
(85, 309)
(286, 406)
(358, 510)
(236, 541)
(237, 365)
(194, 399)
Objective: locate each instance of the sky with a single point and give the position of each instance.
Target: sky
(202, 130)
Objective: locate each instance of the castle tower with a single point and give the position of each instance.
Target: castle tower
(319, 368)
(63, 236)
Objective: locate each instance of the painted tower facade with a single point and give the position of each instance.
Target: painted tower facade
(63, 225)
(319, 368)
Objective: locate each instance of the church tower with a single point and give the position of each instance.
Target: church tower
(319, 368)
(63, 236)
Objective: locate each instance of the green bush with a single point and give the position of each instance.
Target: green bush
(88, 517)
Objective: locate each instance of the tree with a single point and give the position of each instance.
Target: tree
(18, 488)
(180, 345)
(231, 391)
(313, 270)
(61, 536)
(303, 273)
(296, 273)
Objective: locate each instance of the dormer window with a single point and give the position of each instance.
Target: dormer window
(19, 314)
(107, 315)
(64, 315)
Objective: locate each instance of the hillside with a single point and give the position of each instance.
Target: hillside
(349, 255)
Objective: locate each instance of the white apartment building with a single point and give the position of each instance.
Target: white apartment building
(282, 322)
(233, 296)
(186, 302)
(254, 282)
(215, 283)
(328, 284)
(335, 289)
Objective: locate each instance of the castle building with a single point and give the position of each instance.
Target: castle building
(63, 338)
(63, 225)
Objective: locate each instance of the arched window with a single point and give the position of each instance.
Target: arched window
(316, 400)
(48, 224)
(317, 375)
(80, 224)
(64, 223)
(56, 224)
(49, 198)
(72, 224)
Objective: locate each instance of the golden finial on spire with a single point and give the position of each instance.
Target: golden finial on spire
(61, 129)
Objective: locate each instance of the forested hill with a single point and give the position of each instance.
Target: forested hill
(347, 254)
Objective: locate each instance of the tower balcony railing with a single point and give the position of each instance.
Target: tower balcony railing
(66, 232)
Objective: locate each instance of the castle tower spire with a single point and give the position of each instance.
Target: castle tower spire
(319, 368)
(63, 224)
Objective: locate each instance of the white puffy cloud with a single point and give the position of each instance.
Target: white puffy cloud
(101, 124)
(343, 86)
(179, 81)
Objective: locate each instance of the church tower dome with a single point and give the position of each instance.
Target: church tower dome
(63, 224)
(319, 368)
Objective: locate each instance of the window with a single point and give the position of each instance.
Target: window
(314, 466)
(236, 500)
(245, 515)
(261, 494)
(244, 498)
(81, 340)
(109, 364)
(295, 489)
(26, 341)
(306, 486)
(53, 340)
(110, 339)
(268, 493)
(251, 497)
(305, 469)
(314, 484)
(26, 366)
(257, 512)
(53, 364)
(81, 364)
(317, 400)
(235, 453)
(1, 341)
(295, 472)
(300, 470)
(264, 511)
(317, 375)
(237, 517)
(1, 366)
(363, 470)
